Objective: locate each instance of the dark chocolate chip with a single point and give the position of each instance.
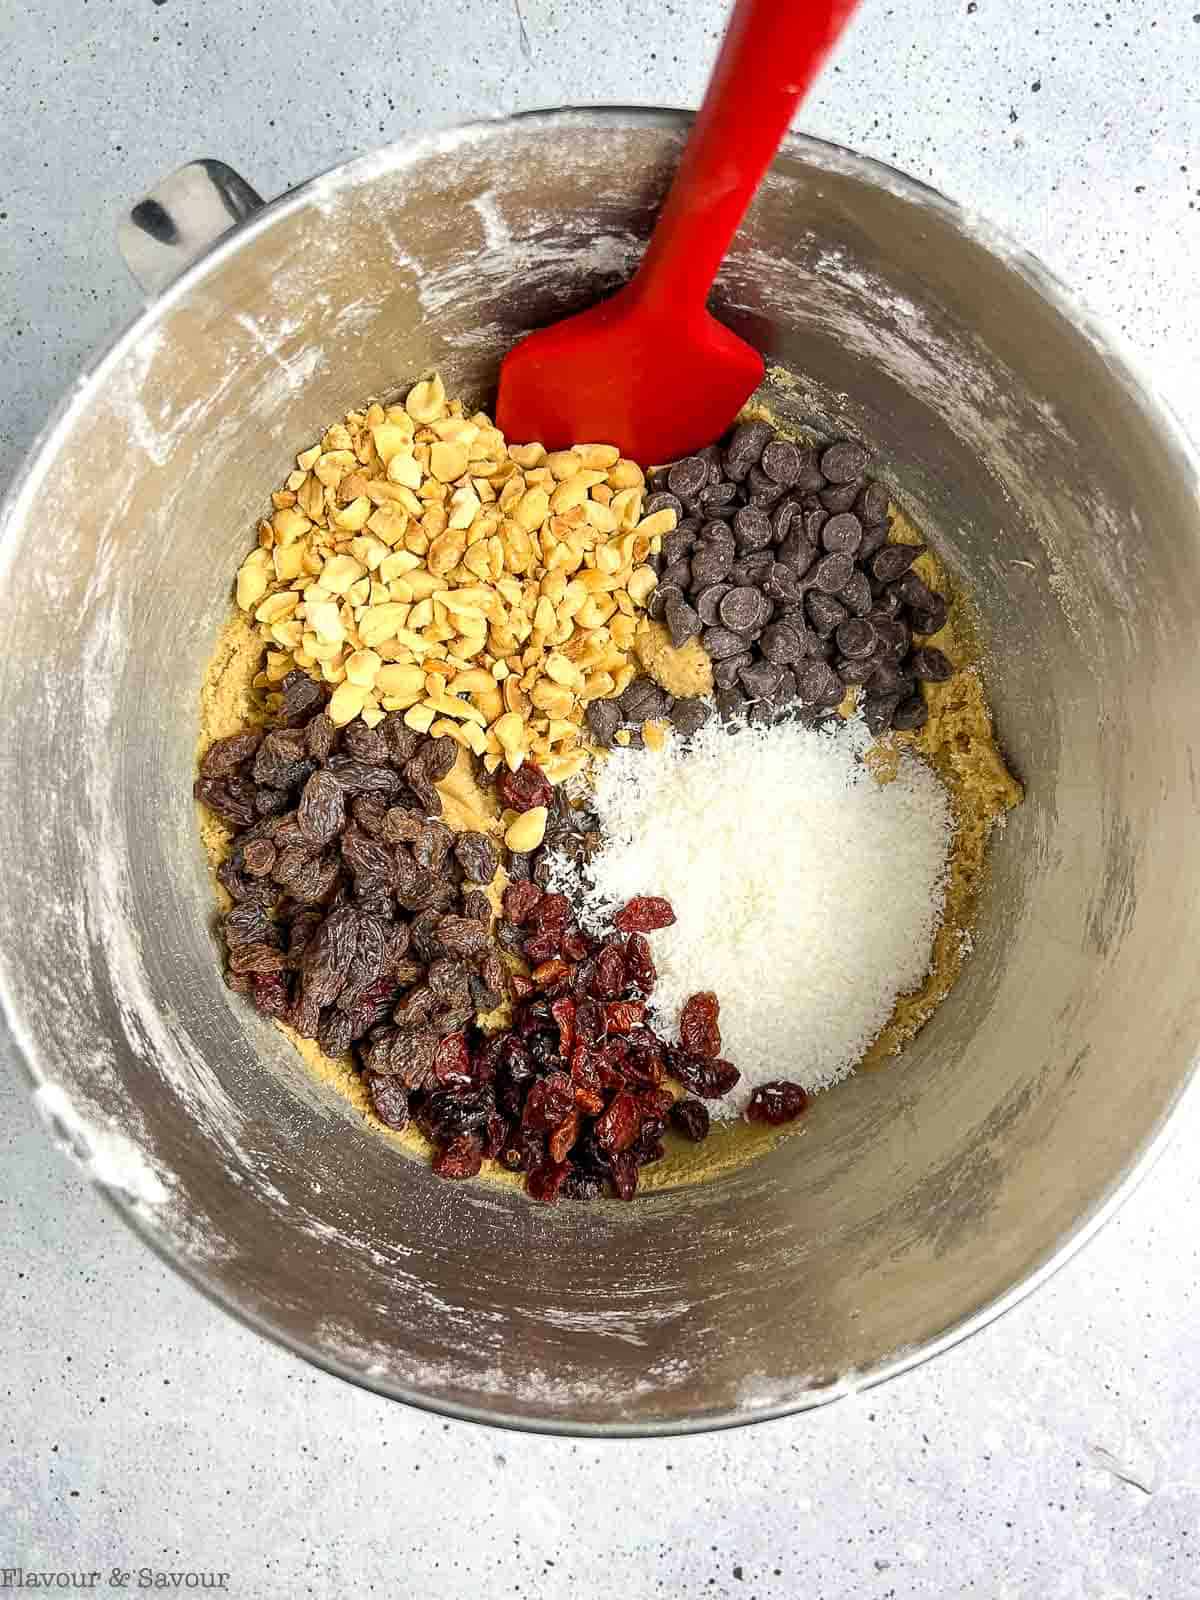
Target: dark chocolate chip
(782, 644)
(729, 703)
(722, 643)
(656, 606)
(751, 571)
(833, 572)
(725, 673)
(915, 592)
(745, 448)
(932, 619)
(818, 685)
(856, 638)
(856, 596)
(718, 530)
(782, 518)
(839, 496)
(603, 720)
(741, 610)
(682, 622)
(782, 584)
(687, 716)
(707, 602)
(872, 503)
(687, 477)
(711, 561)
(781, 462)
(930, 665)
(811, 480)
(852, 672)
(843, 462)
(662, 502)
(878, 711)
(678, 575)
(764, 491)
(752, 528)
(824, 612)
(893, 561)
(814, 521)
(760, 680)
(677, 546)
(717, 495)
(842, 533)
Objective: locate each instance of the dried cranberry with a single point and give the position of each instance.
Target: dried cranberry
(521, 985)
(708, 1079)
(269, 992)
(542, 947)
(656, 1102)
(524, 1150)
(690, 1118)
(622, 1016)
(552, 911)
(461, 1158)
(521, 900)
(589, 1021)
(496, 1136)
(640, 971)
(609, 979)
(525, 788)
(549, 1101)
(698, 1031)
(776, 1102)
(452, 1060)
(564, 1136)
(576, 945)
(644, 913)
(644, 1061)
(563, 1012)
(544, 1182)
(617, 1128)
(548, 973)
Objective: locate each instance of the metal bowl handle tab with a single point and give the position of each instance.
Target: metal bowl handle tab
(181, 218)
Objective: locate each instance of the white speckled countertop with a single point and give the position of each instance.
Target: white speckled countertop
(1058, 1453)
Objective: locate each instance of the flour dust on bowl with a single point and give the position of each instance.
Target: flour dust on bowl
(920, 1199)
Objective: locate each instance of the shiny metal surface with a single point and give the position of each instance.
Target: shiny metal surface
(920, 1199)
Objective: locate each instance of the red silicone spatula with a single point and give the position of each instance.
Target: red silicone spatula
(650, 369)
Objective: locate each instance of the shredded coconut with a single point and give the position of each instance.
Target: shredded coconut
(806, 893)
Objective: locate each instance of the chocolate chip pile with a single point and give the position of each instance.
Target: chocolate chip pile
(357, 913)
(780, 564)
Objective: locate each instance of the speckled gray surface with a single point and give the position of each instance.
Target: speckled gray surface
(1058, 1452)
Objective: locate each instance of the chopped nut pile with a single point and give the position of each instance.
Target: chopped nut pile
(418, 563)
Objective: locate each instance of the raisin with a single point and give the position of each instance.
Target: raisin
(282, 760)
(476, 854)
(320, 737)
(521, 900)
(776, 1102)
(698, 1030)
(322, 812)
(544, 1182)
(525, 788)
(433, 846)
(624, 1175)
(403, 742)
(478, 907)
(328, 955)
(644, 913)
(365, 744)
(447, 1113)
(361, 777)
(580, 1185)
(461, 1158)
(232, 799)
(690, 1118)
(335, 1033)
(389, 1100)
(302, 696)
(462, 936)
(617, 1127)
(223, 758)
(401, 826)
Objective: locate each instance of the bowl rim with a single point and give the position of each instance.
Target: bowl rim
(396, 157)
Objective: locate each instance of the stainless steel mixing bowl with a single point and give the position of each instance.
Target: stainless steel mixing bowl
(920, 1200)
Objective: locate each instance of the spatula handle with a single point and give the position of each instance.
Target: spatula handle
(772, 51)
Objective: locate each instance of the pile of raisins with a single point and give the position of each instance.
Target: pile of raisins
(359, 918)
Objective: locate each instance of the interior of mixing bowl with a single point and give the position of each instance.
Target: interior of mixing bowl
(917, 1197)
